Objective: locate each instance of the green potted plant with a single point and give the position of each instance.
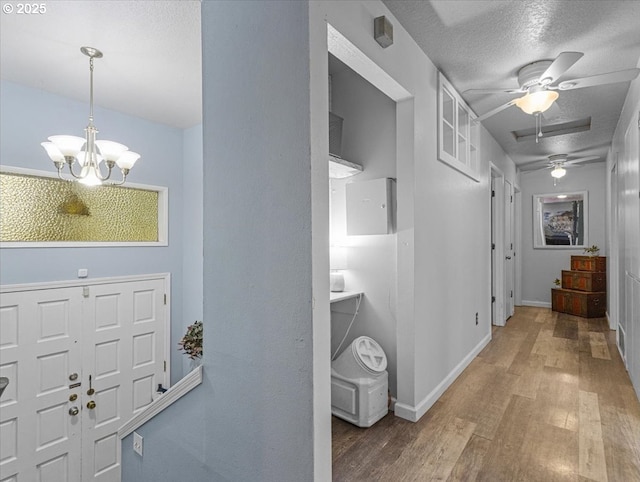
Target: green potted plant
(191, 342)
(592, 251)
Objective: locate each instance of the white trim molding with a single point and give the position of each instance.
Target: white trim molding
(414, 413)
(538, 304)
(181, 388)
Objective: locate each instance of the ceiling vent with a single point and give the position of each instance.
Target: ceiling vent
(579, 125)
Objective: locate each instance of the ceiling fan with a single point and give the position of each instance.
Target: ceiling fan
(558, 164)
(537, 79)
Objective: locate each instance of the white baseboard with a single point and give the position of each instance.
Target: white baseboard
(413, 414)
(538, 304)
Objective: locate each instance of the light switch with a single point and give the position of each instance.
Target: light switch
(83, 273)
(137, 443)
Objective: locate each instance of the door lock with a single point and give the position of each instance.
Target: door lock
(91, 391)
(73, 377)
(73, 411)
(73, 397)
(91, 404)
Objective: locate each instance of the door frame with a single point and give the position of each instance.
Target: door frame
(496, 194)
(517, 246)
(613, 265)
(509, 249)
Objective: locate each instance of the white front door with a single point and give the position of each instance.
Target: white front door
(40, 424)
(96, 349)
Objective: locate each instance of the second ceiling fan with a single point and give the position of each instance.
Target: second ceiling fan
(557, 163)
(537, 82)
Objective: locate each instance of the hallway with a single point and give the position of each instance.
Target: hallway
(547, 399)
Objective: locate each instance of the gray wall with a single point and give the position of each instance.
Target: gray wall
(28, 117)
(541, 266)
(252, 417)
(192, 251)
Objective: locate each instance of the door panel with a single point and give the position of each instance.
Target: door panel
(124, 349)
(40, 438)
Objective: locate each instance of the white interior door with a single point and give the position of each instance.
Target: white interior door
(509, 263)
(98, 349)
(498, 252)
(493, 251)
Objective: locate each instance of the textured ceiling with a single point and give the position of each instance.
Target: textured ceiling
(482, 44)
(152, 55)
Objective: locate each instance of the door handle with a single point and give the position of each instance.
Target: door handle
(508, 257)
(91, 404)
(73, 411)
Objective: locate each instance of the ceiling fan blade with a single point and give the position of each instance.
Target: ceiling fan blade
(492, 91)
(601, 79)
(536, 166)
(582, 159)
(495, 111)
(559, 66)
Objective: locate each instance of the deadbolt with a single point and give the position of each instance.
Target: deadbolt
(73, 376)
(73, 411)
(73, 397)
(91, 404)
(91, 391)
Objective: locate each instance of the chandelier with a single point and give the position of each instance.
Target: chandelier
(87, 152)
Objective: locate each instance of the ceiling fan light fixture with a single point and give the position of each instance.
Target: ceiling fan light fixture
(558, 172)
(537, 102)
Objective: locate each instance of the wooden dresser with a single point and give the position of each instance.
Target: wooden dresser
(584, 288)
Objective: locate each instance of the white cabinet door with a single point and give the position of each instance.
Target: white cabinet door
(112, 336)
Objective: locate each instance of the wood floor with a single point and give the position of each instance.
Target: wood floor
(547, 400)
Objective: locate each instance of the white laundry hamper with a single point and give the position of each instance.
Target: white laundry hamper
(359, 383)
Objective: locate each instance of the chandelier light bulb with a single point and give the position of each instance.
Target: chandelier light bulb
(53, 151)
(69, 146)
(110, 150)
(127, 159)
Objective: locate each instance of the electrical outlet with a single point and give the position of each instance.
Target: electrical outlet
(137, 443)
(476, 318)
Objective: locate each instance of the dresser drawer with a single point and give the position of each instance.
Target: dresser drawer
(584, 280)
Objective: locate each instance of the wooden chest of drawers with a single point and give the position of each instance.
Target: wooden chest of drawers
(583, 291)
(584, 280)
(589, 263)
(579, 303)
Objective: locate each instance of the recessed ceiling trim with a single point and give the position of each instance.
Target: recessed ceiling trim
(571, 127)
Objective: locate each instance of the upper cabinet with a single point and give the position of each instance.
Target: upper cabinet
(458, 131)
